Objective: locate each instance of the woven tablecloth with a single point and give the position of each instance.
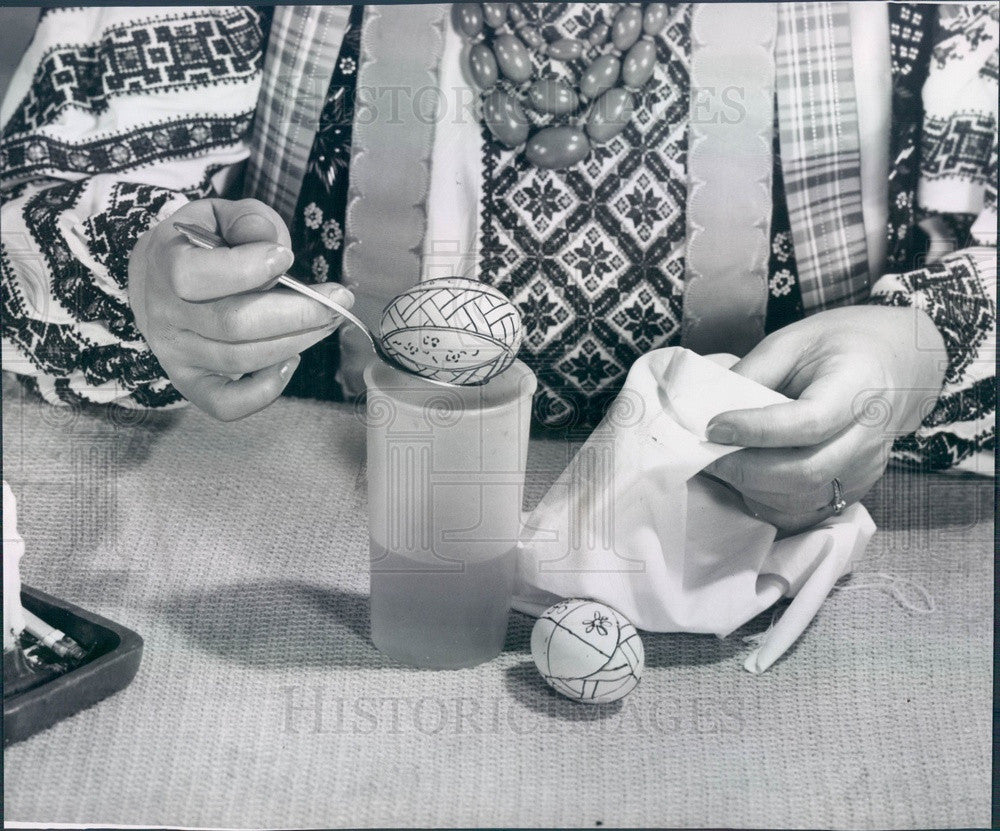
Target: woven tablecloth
(239, 553)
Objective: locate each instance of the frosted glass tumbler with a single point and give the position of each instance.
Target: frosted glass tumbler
(445, 483)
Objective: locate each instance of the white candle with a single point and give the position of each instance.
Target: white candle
(13, 548)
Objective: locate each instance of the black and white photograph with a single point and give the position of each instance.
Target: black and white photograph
(499, 415)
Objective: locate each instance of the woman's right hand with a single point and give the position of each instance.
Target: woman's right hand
(227, 341)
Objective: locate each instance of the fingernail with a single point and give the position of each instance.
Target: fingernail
(338, 294)
(251, 215)
(344, 296)
(721, 433)
(288, 367)
(246, 215)
(278, 258)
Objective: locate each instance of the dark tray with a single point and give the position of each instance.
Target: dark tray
(112, 662)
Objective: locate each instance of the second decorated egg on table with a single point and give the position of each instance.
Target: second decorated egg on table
(587, 651)
(452, 329)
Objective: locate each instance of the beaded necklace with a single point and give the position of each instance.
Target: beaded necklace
(593, 111)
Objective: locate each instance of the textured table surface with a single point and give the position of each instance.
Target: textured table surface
(239, 552)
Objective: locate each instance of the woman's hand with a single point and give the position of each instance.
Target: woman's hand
(228, 344)
(860, 377)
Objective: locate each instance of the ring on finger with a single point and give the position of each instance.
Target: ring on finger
(838, 503)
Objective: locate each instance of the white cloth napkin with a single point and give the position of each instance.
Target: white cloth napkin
(631, 523)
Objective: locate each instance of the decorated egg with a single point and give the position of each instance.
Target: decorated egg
(452, 329)
(587, 651)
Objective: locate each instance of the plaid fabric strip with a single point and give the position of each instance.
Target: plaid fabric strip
(820, 152)
(301, 53)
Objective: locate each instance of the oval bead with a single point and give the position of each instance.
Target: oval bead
(494, 14)
(470, 18)
(627, 27)
(505, 118)
(513, 58)
(547, 96)
(483, 66)
(515, 14)
(566, 49)
(531, 37)
(557, 147)
(609, 115)
(602, 74)
(639, 64)
(598, 33)
(655, 18)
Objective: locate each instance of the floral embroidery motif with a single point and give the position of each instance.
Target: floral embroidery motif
(781, 246)
(318, 229)
(784, 299)
(331, 234)
(543, 201)
(642, 208)
(320, 269)
(318, 232)
(781, 282)
(593, 256)
(312, 215)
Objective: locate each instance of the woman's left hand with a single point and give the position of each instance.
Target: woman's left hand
(860, 376)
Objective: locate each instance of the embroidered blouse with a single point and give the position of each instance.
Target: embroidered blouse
(116, 117)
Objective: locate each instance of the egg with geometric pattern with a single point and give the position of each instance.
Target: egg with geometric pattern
(587, 651)
(452, 329)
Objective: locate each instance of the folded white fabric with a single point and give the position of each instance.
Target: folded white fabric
(631, 523)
